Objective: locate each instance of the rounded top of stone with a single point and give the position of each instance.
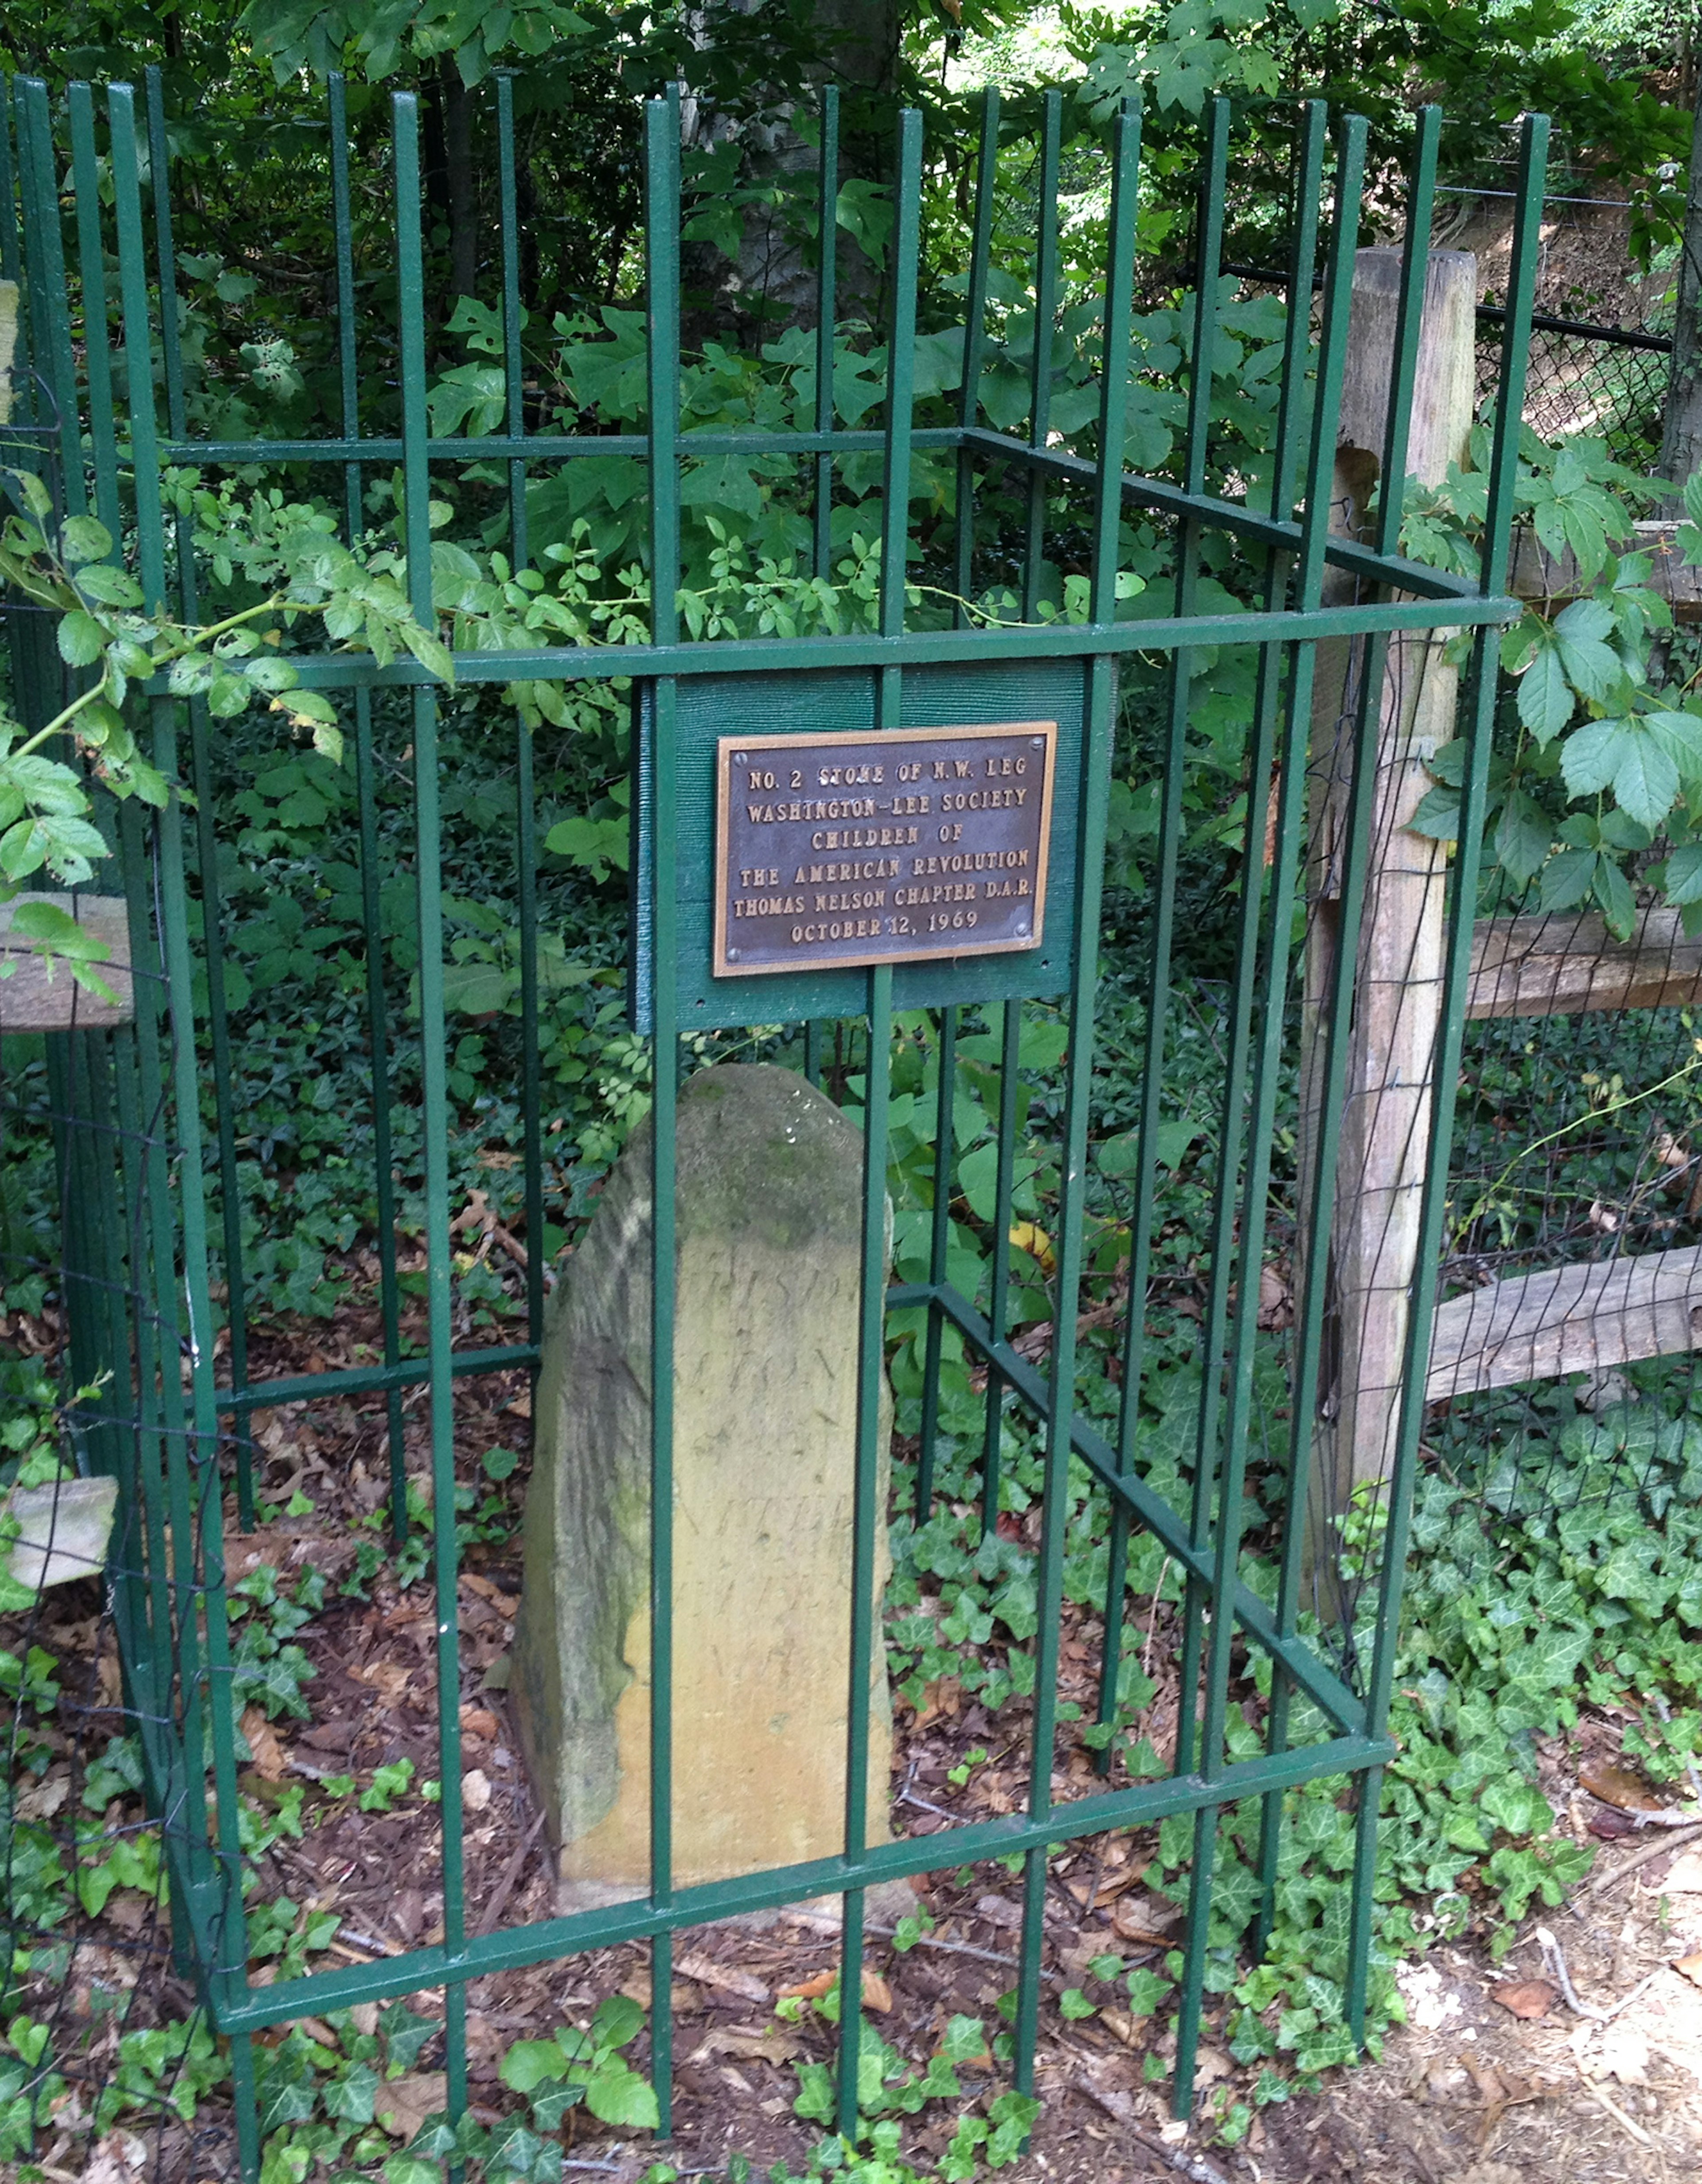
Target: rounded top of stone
(761, 1152)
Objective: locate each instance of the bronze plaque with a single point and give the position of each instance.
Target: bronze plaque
(838, 850)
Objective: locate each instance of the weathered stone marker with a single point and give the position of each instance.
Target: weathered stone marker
(768, 1217)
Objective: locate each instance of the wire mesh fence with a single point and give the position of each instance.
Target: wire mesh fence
(1607, 381)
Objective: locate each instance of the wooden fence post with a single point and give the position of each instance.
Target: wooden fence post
(1385, 1121)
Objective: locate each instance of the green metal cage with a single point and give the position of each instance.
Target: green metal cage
(152, 1277)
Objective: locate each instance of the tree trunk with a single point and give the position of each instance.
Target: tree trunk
(458, 161)
(857, 47)
(1681, 449)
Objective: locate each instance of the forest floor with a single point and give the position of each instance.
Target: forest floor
(1500, 2076)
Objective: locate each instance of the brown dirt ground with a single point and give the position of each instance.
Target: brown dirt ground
(1467, 2093)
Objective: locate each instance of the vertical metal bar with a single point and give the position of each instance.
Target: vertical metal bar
(662, 333)
(1045, 331)
(366, 799)
(1119, 273)
(939, 1243)
(826, 324)
(1421, 210)
(159, 174)
(525, 841)
(97, 335)
(9, 257)
(1497, 540)
(1208, 254)
(1095, 804)
(1290, 815)
(998, 1278)
(92, 275)
(1212, 1757)
(877, 1086)
(974, 350)
(827, 328)
(206, 813)
(434, 1090)
(48, 288)
(200, 1440)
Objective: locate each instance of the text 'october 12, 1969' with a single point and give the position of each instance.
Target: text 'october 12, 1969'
(838, 850)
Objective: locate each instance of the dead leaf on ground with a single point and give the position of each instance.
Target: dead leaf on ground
(271, 1755)
(729, 1978)
(941, 1699)
(402, 2105)
(1276, 1299)
(1618, 1785)
(1209, 2065)
(772, 2043)
(1111, 1887)
(43, 1799)
(876, 1994)
(479, 1722)
(1528, 1998)
(130, 1911)
(475, 1790)
(504, 1602)
(1131, 2031)
(1145, 1918)
(1691, 1966)
(1683, 1875)
(998, 1910)
(809, 1989)
(1619, 2053)
(389, 1678)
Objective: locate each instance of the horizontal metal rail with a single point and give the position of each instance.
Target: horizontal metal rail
(976, 1842)
(367, 1380)
(581, 663)
(1148, 1508)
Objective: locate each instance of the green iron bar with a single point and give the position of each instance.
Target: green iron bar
(1094, 795)
(201, 775)
(368, 1379)
(662, 365)
(827, 322)
(1154, 1515)
(1045, 337)
(974, 343)
(366, 792)
(1229, 1461)
(939, 1243)
(1236, 517)
(150, 949)
(197, 1500)
(411, 326)
(914, 647)
(977, 1842)
(525, 845)
(1456, 976)
(998, 1275)
(898, 434)
(1415, 270)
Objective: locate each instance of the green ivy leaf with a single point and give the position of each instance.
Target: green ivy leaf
(1546, 703)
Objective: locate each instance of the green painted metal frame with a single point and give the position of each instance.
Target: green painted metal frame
(141, 1288)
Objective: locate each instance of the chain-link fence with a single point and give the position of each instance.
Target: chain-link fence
(1609, 381)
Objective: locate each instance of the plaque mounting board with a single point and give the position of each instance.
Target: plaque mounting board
(889, 848)
(811, 705)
